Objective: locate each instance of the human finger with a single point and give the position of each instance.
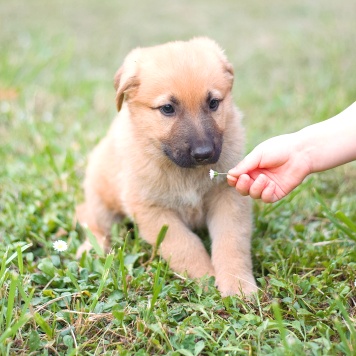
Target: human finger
(249, 163)
(243, 184)
(231, 181)
(268, 194)
(258, 186)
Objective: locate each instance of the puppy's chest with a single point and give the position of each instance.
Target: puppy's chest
(187, 201)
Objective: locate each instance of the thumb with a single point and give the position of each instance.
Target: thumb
(248, 164)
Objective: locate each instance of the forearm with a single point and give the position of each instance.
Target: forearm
(330, 143)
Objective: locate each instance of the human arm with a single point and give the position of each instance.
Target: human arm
(276, 166)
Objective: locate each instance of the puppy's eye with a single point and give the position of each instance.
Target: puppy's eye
(167, 110)
(214, 104)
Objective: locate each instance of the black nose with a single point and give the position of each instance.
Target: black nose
(202, 152)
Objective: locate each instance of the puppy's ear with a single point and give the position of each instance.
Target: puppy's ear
(229, 71)
(212, 46)
(126, 79)
(123, 85)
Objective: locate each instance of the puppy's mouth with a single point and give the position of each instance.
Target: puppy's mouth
(190, 156)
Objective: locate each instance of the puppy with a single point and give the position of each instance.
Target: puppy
(176, 121)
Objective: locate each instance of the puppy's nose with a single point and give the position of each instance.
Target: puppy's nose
(202, 153)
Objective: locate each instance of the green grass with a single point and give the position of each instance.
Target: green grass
(294, 64)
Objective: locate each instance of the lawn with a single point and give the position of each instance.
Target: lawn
(294, 65)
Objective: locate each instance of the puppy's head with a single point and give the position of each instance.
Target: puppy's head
(179, 98)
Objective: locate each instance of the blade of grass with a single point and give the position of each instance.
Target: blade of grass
(331, 216)
(73, 279)
(107, 266)
(122, 262)
(12, 331)
(160, 237)
(94, 242)
(123, 270)
(343, 337)
(349, 323)
(136, 238)
(347, 221)
(24, 315)
(282, 330)
(202, 332)
(52, 161)
(43, 325)
(158, 329)
(13, 256)
(157, 287)
(20, 259)
(11, 300)
(3, 268)
(21, 290)
(272, 207)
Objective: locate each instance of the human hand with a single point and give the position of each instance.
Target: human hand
(272, 170)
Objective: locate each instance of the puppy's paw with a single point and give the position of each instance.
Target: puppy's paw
(242, 286)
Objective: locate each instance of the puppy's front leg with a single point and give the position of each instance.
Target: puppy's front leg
(229, 223)
(181, 247)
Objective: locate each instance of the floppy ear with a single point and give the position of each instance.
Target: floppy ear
(126, 80)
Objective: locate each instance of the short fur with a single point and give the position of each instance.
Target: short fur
(154, 168)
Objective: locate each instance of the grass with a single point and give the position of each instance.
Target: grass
(294, 65)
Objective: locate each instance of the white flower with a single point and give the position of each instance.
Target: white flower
(212, 174)
(60, 245)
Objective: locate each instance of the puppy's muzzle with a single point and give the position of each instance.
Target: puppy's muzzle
(195, 154)
(202, 153)
(189, 146)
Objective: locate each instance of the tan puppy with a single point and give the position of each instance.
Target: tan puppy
(176, 121)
